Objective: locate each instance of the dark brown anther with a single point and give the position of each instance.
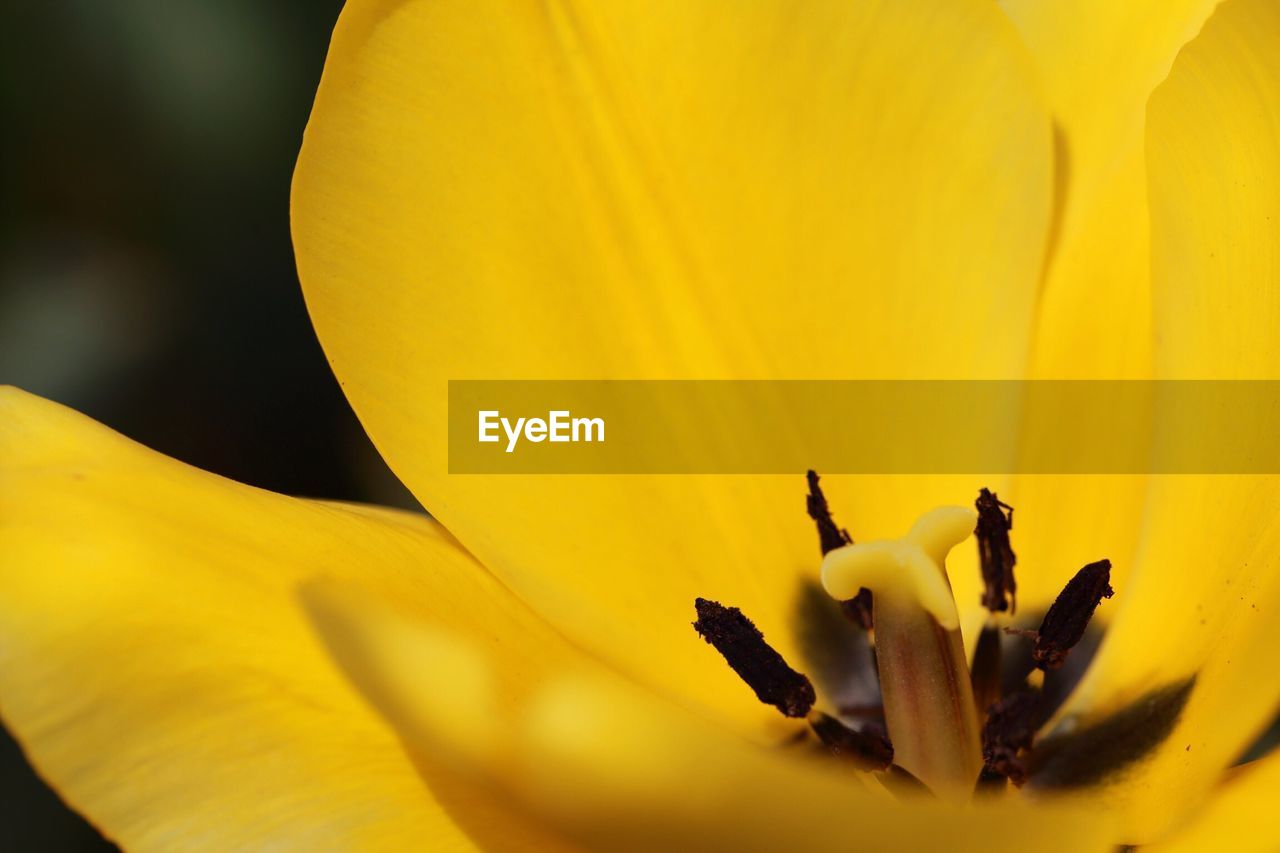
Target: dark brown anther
(831, 537)
(743, 647)
(1069, 616)
(868, 750)
(1009, 730)
(995, 552)
(989, 780)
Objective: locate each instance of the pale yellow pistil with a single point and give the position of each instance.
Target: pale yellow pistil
(924, 678)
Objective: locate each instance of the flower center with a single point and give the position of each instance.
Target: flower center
(941, 723)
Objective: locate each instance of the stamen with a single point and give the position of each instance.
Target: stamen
(831, 537)
(1069, 616)
(995, 553)
(1010, 728)
(743, 647)
(868, 750)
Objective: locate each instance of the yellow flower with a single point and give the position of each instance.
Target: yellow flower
(681, 189)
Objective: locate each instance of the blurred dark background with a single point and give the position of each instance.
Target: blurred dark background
(146, 274)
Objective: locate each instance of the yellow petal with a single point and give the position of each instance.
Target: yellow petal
(1242, 816)
(157, 670)
(1062, 523)
(1099, 61)
(1203, 599)
(617, 769)
(664, 190)
(1189, 657)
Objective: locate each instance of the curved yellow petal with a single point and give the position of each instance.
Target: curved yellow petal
(1099, 61)
(615, 768)
(1203, 599)
(664, 190)
(1189, 657)
(1241, 817)
(157, 670)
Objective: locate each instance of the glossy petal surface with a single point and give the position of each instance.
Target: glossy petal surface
(661, 190)
(158, 671)
(617, 769)
(1203, 600)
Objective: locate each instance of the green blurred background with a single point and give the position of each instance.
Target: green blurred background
(146, 273)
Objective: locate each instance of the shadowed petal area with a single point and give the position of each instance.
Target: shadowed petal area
(158, 672)
(616, 768)
(1205, 593)
(664, 190)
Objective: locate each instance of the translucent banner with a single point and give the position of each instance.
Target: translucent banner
(863, 427)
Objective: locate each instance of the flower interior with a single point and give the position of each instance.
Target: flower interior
(937, 721)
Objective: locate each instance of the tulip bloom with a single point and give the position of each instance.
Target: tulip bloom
(941, 189)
